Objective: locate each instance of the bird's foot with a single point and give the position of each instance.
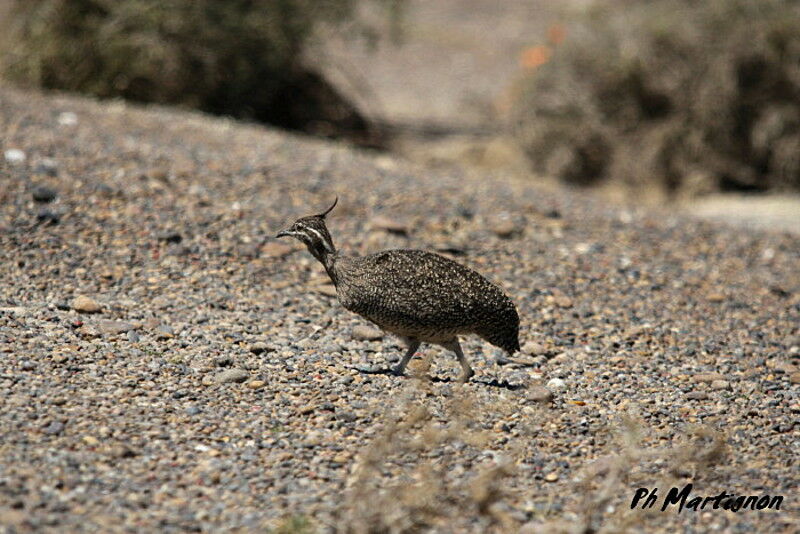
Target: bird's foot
(398, 371)
(466, 376)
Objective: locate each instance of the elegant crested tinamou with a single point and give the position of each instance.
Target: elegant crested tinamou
(419, 296)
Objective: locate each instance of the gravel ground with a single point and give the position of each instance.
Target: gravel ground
(165, 365)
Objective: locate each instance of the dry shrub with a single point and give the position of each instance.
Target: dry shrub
(606, 485)
(424, 498)
(239, 57)
(690, 95)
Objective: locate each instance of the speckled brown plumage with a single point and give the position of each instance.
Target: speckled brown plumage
(417, 295)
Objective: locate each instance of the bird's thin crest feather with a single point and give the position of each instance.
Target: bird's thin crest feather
(327, 211)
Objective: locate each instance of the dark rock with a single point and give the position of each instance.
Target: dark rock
(44, 194)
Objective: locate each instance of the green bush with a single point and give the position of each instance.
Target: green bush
(694, 95)
(235, 57)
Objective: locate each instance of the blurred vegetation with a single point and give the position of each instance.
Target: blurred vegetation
(239, 57)
(692, 95)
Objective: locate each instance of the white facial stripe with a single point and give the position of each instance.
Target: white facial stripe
(321, 238)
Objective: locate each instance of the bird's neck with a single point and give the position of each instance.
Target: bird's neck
(328, 260)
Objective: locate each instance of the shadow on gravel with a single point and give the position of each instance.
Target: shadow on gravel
(375, 370)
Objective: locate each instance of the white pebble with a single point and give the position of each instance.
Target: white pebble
(556, 383)
(67, 118)
(15, 156)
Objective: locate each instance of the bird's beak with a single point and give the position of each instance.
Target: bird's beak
(284, 233)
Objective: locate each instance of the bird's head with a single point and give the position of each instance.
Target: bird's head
(312, 231)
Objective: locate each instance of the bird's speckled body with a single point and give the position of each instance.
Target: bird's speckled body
(417, 295)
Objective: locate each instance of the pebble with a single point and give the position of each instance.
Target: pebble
(232, 375)
(261, 347)
(555, 384)
(707, 377)
(47, 167)
(551, 477)
(84, 304)
(44, 194)
(505, 229)
(164, 331)
(540, 394)
(111, 328)
(256, 384)
(67, 118)
(48, 216)
(367, 333)
(794, 378)
(533, 348)
(697, 395)
(720, 384)
(223, 361)
(782, 366)
(54, 428)
(15, 156)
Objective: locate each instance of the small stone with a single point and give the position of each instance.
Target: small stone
(555, 384)
(223, 361)
(91, 441)
(60, 357)
(260, 347)
(720, 384)
(15, 156)
(122, 451)
(540, 394)
(84, 304)
(697, 395)
(232, 375)
(389, 225)
(716, 297)
(67, 118)
(44, 194)
(366, 333)
(794, 378)
(54, 428)
(551, 477)
(256, 384)
(533, 348)
(27, 365)
(112, 328)
(192, 410)
(47, 167)
(707, 377)
(563, 302)
(47, 216)
(164, 331)
(170, 236)
(782, 366)
(307, 409)
(340, 459)
(505, 227)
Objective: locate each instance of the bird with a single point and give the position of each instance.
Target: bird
(419, 296)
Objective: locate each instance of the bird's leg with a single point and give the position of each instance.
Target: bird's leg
(468, 373)
(413, 345)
